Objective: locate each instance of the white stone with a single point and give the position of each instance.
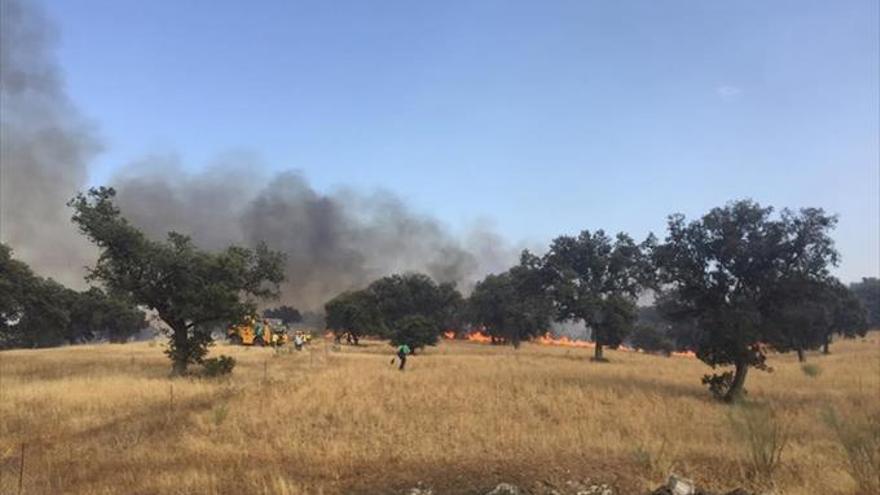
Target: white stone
(680, 486)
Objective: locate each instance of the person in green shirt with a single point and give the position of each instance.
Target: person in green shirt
(402, 351)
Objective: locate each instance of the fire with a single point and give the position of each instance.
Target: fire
(548, 339)
(474, 336)
(478, 336)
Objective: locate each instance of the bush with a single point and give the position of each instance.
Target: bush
(811, 370)
(719, 384)
(765, 437)
(860, 439)
(218, 366)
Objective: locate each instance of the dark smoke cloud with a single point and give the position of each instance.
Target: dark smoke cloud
(333, 242)
(45, 146)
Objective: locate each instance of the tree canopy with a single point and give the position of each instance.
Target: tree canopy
(868, 292)
(513, 306)
(597, 280)
(189, 289)
(728, 272)
(354, 314)
(38, 312)
(398, 298)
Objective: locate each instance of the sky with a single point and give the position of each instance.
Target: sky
(540, 118)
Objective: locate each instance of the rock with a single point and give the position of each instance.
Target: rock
(505, 489)
(680, 486)
(602, 489)
(420, 491)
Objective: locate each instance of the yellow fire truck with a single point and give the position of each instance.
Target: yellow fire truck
(256, 331)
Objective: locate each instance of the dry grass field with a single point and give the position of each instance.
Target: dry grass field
(107, 419)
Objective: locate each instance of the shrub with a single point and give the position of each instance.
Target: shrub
(218, 366)
(860, 439)
(811, 370)
(764, 436)
(719, 383)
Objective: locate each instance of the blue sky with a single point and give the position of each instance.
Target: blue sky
(544, 117)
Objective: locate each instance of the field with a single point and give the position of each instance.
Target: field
(336, 419)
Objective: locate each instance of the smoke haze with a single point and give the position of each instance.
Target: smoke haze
(333, 242)
(45, 147)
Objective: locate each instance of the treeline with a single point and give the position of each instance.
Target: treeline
(40, 312)
(729, 286)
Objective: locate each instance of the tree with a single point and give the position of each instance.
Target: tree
(398, 297)
(189, 289)
(32, 311)
(597, 281)
(726, 272)
(868, 292)
(353, 314)
(804, 317)
(415, 331)
(850, 317)
(286, 314)
(810, 312)
(651, 339)
(513, 306)
(38, 312)
(95, 314)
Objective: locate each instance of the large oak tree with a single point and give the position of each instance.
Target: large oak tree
(729, 271)
(190, 289)
(597, 280)
(513, 306)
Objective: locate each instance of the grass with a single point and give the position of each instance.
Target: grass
(463, 417)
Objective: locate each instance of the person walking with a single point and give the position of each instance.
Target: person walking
(402, 351)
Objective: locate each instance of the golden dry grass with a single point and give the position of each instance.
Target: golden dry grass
(101, 420)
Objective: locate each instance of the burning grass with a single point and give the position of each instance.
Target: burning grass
(339, 419)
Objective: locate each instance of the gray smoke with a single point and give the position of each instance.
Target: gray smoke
(333, 242)
(45, 146)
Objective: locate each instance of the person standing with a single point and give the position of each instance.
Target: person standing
(402, 351)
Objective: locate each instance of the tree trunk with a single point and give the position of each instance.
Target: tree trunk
(181, 343)
(598, 355)
(178, 368)
(825, 349)
(739, 379)
(801, 357)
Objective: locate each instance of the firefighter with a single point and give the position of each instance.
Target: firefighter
(402, 351)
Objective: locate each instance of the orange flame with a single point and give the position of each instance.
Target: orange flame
(548, 339)
(478, 336)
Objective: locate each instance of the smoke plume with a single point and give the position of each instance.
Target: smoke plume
(333, 242)
(45, 146)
